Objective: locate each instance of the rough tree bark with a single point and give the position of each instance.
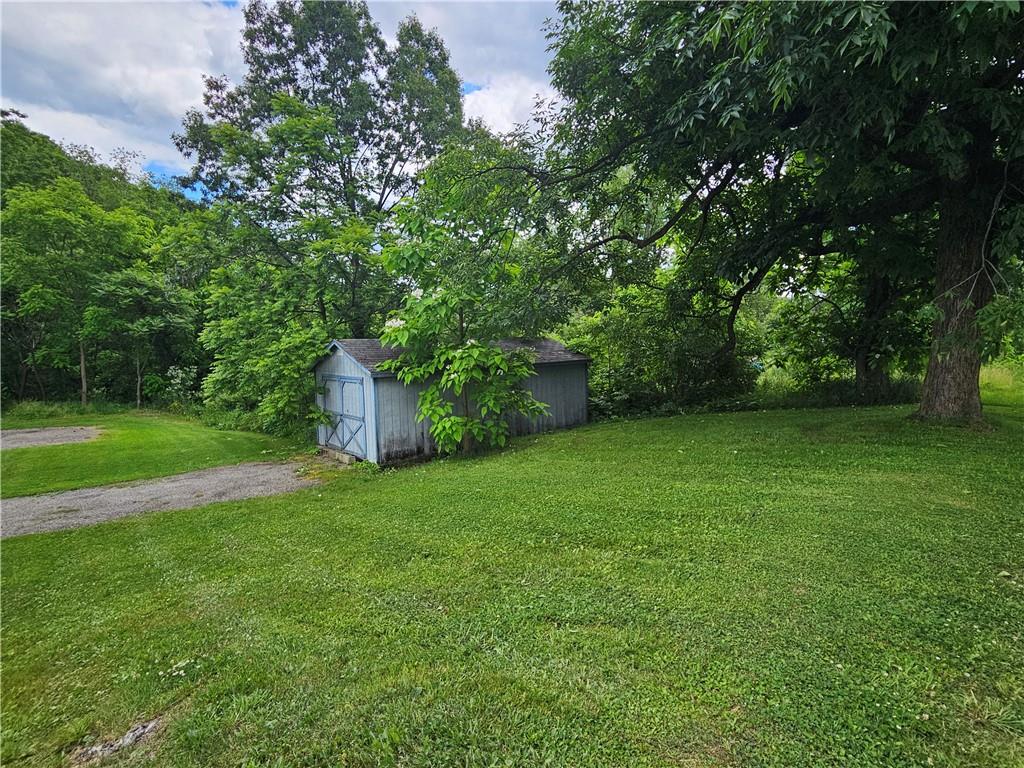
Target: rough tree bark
(963, 286)
(81, 371)
(872, 376)
(138, 382)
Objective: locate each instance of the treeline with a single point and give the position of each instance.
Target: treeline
(89, 309)
(720, 193)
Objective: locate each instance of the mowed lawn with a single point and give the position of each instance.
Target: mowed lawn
(131, 446)
(792, 588)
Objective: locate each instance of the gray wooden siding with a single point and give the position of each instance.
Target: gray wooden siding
(563, 386)
(393, 434)
(341, 363)
(399, 435)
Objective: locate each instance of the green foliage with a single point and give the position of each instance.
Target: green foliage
(70, 223)
(33, 160)
(138, 316)
(307, 156)
(653, 349)
(775, 134)
(1002, 321)
(863, 162)
(469, 389)
(27, 413)
(776, 387)
(471, 385)
(483, 264)
(863, 319)
(58, 247)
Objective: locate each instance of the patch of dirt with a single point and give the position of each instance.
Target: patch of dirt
(73, 509)
(27, 438)
(136, 734)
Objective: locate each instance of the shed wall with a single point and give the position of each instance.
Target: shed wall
(393, 434)
(339, 363)
(399, 435)
(563, 386)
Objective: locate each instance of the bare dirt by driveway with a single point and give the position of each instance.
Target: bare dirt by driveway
(26, 438)
(72, 509)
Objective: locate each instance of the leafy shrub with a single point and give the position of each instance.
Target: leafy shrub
(779, 388)
(654, 352)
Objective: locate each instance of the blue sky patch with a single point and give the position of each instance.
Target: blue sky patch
(468, 88)
(166, 176)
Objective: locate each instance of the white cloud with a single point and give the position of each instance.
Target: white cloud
(102, 133)
(506, 100)
(114, 75)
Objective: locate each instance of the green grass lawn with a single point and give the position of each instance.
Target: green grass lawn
(793, 588)
(132, 446)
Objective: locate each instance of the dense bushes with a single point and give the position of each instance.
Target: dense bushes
(653, 349)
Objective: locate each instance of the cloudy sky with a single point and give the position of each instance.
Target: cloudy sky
(114, 75)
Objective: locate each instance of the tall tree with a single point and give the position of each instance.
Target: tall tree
(860, 307)
(307, 156)
(73, 195)
(895, 108)
(476, 254)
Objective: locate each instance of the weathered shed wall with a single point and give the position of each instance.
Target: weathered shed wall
(399, 436)
(341, 364)
(388, 407)
(563, 386)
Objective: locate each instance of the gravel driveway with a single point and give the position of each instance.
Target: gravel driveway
(25, 438)
(72, 509)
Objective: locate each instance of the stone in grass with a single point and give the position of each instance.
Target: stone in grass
(135, 734)
(1005, 574)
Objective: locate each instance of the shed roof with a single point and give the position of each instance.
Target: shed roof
(370, 352)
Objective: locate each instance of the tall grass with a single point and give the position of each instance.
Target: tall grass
(32, 410)
(1002, 383)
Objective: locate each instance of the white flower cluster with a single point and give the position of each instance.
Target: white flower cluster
(417, 293)
(394, 322)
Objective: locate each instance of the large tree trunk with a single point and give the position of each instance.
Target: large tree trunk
(872, 381)
(963, 286)
(81, 370)
(870, 359)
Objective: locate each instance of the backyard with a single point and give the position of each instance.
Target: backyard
(803, 587)
(710, 316)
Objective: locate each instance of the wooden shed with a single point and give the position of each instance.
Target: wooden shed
(373, 414)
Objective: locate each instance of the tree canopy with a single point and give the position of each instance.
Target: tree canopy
(719, 189)
(307, 157)
(884, 112)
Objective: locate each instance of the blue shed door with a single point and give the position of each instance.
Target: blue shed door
(344, 401)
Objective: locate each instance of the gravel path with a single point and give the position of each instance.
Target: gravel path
(24, 438)
(72, 509)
